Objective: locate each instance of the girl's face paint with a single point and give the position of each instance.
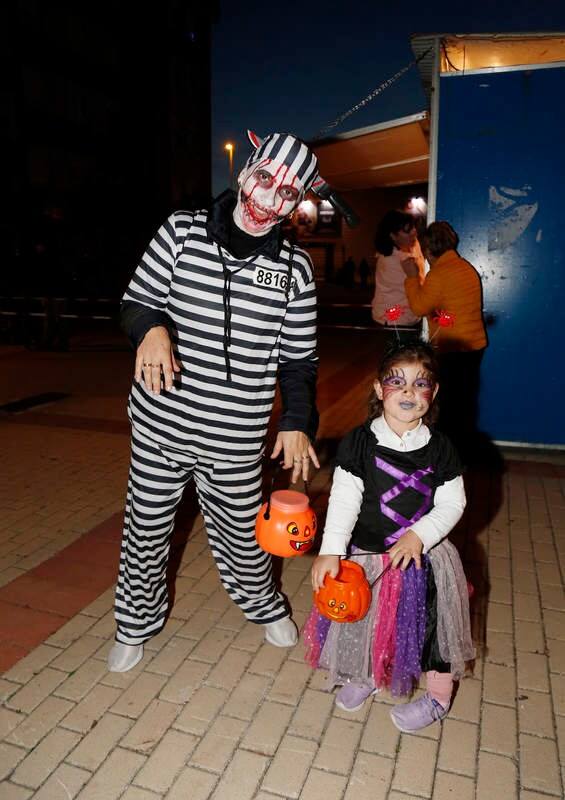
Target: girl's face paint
(268, 192)
(406, 393)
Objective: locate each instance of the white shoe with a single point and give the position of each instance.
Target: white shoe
(282, 633)
(123, 657)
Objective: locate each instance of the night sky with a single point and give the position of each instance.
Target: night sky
(298, 66)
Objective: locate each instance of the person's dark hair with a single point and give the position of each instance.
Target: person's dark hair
(411, 351)
(438, 238)
(392, 222)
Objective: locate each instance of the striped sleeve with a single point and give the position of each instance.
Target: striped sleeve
(298, 362)
(151, 281)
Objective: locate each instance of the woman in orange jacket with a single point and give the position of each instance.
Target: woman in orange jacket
(450, 297)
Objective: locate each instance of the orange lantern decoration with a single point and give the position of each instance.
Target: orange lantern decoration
(286, 525)
(347, 597)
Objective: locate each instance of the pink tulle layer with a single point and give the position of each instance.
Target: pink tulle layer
(384, 647)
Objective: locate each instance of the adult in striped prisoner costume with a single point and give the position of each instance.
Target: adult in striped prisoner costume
(219, 308)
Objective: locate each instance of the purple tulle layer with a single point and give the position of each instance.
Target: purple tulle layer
(385, 647)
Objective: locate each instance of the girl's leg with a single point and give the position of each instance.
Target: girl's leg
(354, 646)
(440, 687)
(432, 706)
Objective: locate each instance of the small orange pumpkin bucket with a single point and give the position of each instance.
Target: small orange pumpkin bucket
(347, 597)
(286, 525)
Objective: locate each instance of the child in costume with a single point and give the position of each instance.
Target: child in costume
(397, 492)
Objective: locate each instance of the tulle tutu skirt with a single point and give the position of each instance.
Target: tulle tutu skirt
(418, 620)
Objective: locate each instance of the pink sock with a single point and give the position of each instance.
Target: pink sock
(440, 686)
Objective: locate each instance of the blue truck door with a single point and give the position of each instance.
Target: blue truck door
(501, 184)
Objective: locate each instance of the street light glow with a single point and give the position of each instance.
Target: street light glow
(229, 147)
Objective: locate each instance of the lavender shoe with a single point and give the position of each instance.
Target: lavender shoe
(351, 696)
(417, 714)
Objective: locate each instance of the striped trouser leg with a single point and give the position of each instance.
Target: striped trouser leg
(155, 487)
(230, 497)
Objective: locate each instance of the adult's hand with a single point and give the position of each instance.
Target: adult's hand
(410, 268)
(155, 356)
(297, 452)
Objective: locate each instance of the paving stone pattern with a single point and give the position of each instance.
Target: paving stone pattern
(212, 712)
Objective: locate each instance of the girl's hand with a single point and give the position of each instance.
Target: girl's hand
(409, 546)
(155, 356)
(322, 566)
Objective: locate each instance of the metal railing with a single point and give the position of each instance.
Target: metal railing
(52, 311)
(101, 308)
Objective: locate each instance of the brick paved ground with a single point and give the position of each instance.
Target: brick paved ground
(212, 711)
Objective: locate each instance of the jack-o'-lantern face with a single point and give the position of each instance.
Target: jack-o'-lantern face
(285, 532)
(347, 597)
(302, 540)
(337, 609)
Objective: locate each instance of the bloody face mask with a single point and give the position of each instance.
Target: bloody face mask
(273, 181)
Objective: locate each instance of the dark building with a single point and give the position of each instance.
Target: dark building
(104, 129)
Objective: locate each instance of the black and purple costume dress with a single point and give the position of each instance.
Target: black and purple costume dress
(418, 620)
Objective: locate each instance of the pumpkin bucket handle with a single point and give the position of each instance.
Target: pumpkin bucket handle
(276, 469)
(386, 569)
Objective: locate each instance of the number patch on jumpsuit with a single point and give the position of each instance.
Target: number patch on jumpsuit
(271, 279)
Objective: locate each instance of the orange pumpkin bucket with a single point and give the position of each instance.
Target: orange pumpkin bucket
(347, 597)
(286, 525)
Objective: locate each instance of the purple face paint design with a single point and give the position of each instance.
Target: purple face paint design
(396, 381)
(407, 391)
(425, 386)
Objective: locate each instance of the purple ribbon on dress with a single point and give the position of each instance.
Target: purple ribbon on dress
(405, 481)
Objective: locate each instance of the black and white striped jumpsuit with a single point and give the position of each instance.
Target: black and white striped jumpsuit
(234, 331)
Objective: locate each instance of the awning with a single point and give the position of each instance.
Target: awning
(465, 53)
(393, 153)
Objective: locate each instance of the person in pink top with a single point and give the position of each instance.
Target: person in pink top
(395, 242)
